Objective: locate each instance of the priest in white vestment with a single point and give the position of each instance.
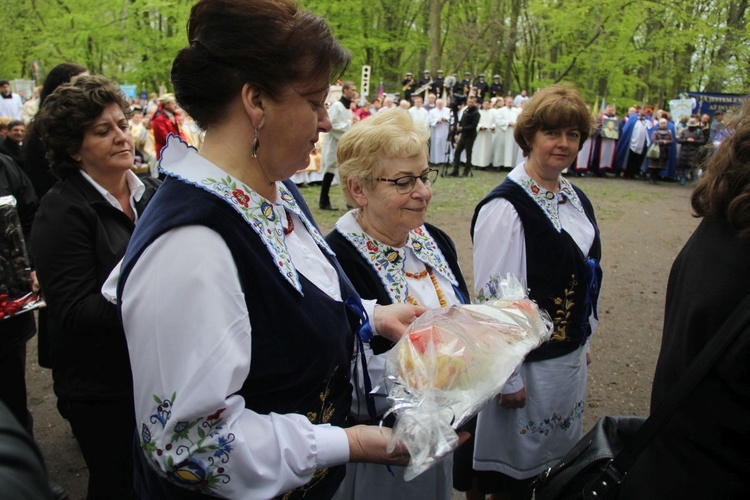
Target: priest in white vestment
(505, 121)
(440, 117)
(418, 113)
(482, 151)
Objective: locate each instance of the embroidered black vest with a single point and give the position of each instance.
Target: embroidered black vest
(302, 345)
(556, 272)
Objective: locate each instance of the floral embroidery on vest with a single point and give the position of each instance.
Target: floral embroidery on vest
(547, 200)
(564, 310)
(266, 218)
(322, 417)
(197, 452)
(388, 262)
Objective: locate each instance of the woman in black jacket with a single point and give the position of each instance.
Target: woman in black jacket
(691, 139)
(702, 451)
(80, 233)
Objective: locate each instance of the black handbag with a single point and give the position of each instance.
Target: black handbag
(596, 466)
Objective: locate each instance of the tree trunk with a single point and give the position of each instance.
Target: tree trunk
(512, 39)
(734, 30)
(436, 48)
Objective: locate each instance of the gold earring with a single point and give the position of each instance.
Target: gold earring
(256, 144)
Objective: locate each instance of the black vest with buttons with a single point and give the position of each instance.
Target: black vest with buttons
(301, 344)
(556, 272)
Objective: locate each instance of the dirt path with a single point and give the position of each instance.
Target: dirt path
(643, 228)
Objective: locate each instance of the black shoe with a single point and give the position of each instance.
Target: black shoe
(454, 173)
(58, 492)
(328, 207)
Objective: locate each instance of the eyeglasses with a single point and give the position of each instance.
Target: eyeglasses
(405, 184)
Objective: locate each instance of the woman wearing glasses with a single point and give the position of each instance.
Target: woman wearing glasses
(391, 255)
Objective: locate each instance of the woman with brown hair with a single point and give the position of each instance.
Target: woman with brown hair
(702, 451)
(539, 227)
(239, 320)
(80, 233)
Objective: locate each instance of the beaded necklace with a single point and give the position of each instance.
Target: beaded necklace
(427, 272)
(289, 223)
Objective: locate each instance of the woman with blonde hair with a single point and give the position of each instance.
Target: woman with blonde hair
(393, 256)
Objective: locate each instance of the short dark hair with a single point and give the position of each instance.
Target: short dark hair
(557, 106)
(267, 44)
(15, 123)
(66, 114)
(4, 82)
(59, 75)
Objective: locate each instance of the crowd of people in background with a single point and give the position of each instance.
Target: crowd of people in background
(472, 124)
(455, 125)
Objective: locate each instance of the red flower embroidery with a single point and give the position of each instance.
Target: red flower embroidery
(216, 415)
(241, 197)
(535, 189)
(371, 246)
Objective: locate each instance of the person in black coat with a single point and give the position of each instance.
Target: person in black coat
(17, 330)
(80, 233)
(691, 140)
(37, 167)
(22, 471)
(11, 145)
(467, 127)
(703, 451)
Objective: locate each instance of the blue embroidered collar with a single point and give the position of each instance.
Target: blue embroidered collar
(548, 201)
(265, 217)
(388, 262)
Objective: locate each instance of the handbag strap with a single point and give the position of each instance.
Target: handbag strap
(696, 371)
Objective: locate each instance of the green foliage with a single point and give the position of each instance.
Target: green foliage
(624, 50)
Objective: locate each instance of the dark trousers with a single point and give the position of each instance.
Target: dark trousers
(467, 143)
(104, 431)
(633, 167)
(13, 384)
(325, 188)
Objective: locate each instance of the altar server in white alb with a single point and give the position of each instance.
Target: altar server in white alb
(10, 103)
(440, 117)
(419, 114)
(482, 154)
(505, 144)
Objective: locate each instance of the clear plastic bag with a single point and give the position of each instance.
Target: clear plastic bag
(451, 362)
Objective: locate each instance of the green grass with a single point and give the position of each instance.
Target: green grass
(458, 197)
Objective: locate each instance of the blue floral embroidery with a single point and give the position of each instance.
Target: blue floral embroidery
(556, 421)
(197, 452)
(388, 262)
(489, 290)
(260, 214)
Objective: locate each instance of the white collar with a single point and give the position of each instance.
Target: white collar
(265, 217)
(548, 201)
(135, 186)
(387, 261)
